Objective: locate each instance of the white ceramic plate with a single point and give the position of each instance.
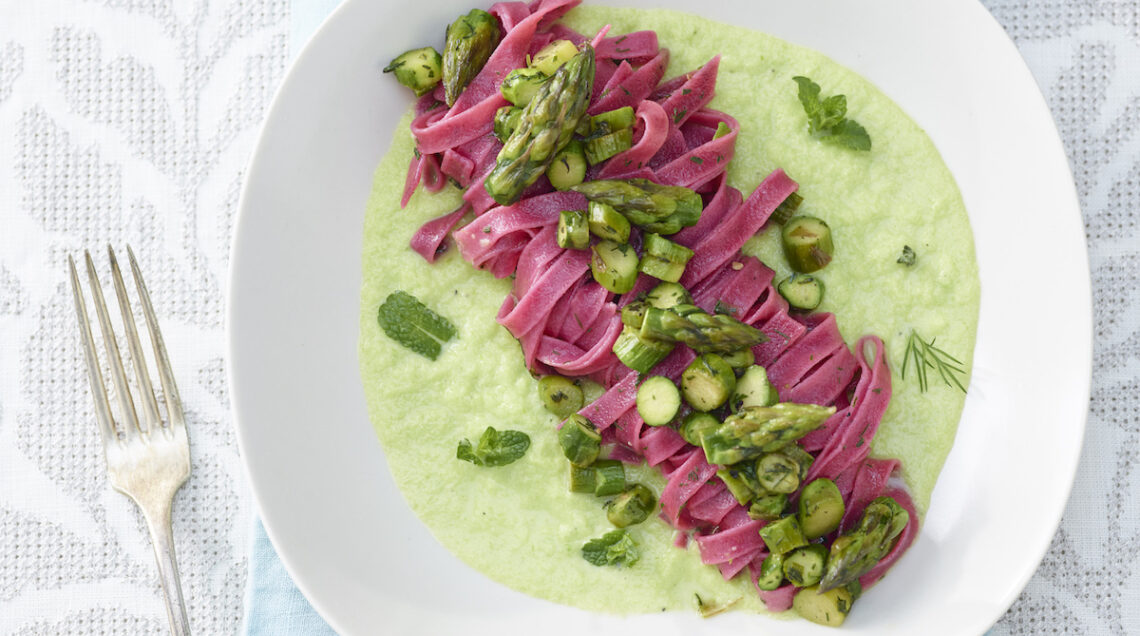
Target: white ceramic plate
(319, 476)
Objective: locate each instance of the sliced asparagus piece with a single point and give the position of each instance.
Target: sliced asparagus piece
(637, 354)
(753, 389)
(580, 440)
(598, 149)
(803, 292)
(664, 259)
(804, 566)
(632, 506)
(783, 536)
(756, 430)
(582, 478)
(573, 231)
(506, 121)
(826, 608)
(607, 223)
(854, 553)
(569, 166)
(778, 474)
(609, 477)
(614, 265)
(707, 382)
(704, 333)
(560, 395)
(553, 55)
(821, 508)
(658, 400)
(771, 572)
(807, 243)
(470, 41)
(695, 424)
(786, 209)
(521, 85)
(657, 208)
(418, 69)
(768, 507)
(667, 295)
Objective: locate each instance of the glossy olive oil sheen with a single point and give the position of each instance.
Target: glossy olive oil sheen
(519, 524)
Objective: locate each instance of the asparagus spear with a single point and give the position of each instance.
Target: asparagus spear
(704, 333)
(654, 207)
(545, 127)
(854, 553)
(470, 41)
(756, 430)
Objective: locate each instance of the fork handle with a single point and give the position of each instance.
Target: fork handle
(162, 538)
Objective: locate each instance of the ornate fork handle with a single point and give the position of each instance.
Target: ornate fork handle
(157, 515)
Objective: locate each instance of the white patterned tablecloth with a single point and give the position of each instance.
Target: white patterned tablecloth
(130, 121)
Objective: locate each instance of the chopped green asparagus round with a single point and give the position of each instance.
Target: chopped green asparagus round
(667, 295)
(600, 148)
(739, 359)
(545, 127)
(803, 292)
(550, 57)
(821, 508)
(560, 395)
(637, 354)
(783, 535)
(609, 477)
(771, 572)
(614, 265)
(582, 478)
(470, 41)
(632, 506)
(804, 566)
(658, 400)
(664, 259)
(607, 223)
(778, 474)
(573, 231)
(418, 69)
(768, 507)
(756, 430)
(612, 120)
(753, 389)
(807, 243)
(521, 85)
(506, 120)
(736, 485)
(633, 314)
(801, 457)
(580, 440)
(825, 608)
(569, 166)
(695, 423)
(707, 382)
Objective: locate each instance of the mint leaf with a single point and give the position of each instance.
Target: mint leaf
(613, 548)
(409, 322)
(495, 448)
(827, 118)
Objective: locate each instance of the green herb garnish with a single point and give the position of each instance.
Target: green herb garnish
(495, 448)
(409, 322)
(612, 548)
(907, 257)
(827, 117)
(927, 356)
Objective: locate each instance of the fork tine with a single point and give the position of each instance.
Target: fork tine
(94, 375)
(162, 360)
(118, 375)
(142, 376)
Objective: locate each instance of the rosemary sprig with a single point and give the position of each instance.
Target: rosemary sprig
(927, 356)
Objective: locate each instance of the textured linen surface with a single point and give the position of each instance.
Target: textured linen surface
(131, 120)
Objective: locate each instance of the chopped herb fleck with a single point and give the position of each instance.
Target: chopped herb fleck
(696, 160)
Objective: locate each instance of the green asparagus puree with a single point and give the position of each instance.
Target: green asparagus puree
(520, 523)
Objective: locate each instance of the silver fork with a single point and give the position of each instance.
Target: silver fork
(147, 462)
